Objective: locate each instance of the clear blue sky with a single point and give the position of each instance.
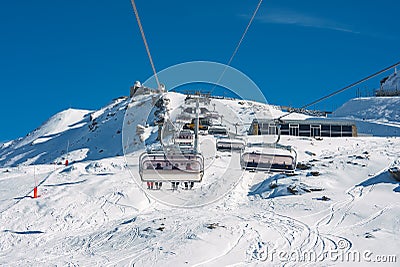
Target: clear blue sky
(81, 54)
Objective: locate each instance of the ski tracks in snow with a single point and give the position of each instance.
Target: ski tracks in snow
(340, 209)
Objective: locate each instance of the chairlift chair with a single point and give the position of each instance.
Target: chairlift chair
(218, 130)
(274, 158)
(185, 138)
(160, 166)
(230, 144)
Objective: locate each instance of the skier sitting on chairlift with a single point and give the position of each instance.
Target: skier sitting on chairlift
(175, 184)
(158, 184)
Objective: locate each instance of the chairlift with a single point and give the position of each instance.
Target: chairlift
(218, 130)
(271, 157)
(185, 138)
(276, 158)
(230, 144)
(174, 163)
(160, 166)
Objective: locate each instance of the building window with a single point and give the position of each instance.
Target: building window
(272, 129)
(294, 129)
(315, 131)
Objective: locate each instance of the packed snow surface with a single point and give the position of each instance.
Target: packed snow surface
(96, 212)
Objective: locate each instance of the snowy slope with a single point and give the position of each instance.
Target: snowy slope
(377, 116)
(65, 120)
(70, 132)
(93, 213)
(96, 212)
(392, 83)
(384, 109)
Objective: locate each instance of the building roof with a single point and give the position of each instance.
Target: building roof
(321, 121)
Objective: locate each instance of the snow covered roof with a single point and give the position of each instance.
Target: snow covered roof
(330, 121)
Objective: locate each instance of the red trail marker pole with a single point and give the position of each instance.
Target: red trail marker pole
(35, 189)
(35, 194)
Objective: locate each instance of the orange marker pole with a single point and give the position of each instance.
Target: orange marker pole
(66, 161)
(35, 190)
(35, 195)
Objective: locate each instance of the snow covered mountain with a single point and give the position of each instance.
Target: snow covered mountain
(392, 82)
(96, 212)
(378, 116)
(82, 134)
(383, 109)
(91, 135)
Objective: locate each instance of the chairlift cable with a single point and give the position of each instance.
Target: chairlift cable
(244, 33)
(238, 45)
(145, 41)
(342, 89)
